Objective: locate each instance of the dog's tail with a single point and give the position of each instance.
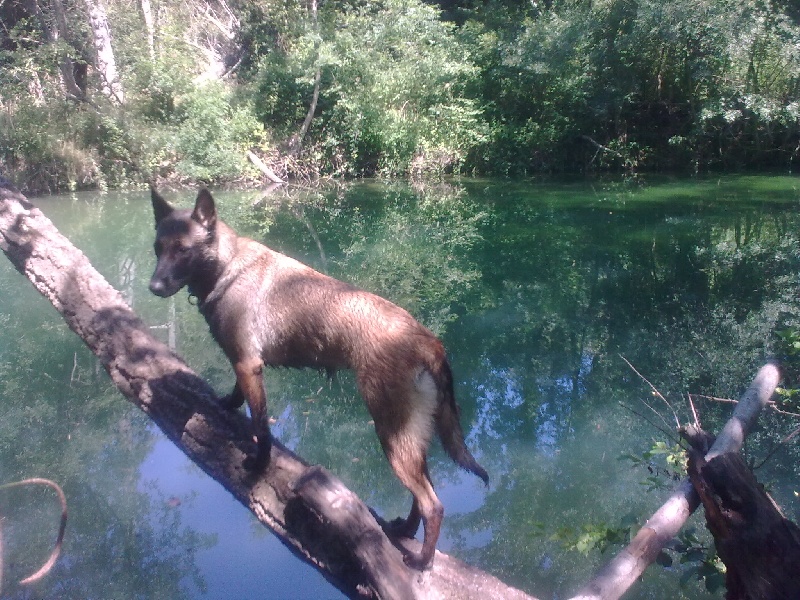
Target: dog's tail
(448, 426)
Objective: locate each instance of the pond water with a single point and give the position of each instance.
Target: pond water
(540, 291)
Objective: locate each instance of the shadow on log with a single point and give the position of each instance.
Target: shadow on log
(311, 511)
(759, 546)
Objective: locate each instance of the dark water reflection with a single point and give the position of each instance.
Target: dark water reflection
(537, 290)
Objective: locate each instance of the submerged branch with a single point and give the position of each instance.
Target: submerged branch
(655, 393)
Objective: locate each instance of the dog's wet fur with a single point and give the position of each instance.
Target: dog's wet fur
(264, 308)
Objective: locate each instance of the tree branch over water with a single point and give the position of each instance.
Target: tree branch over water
(616, 577)
(310, 510)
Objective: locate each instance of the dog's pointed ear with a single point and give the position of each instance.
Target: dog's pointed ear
(161, 207)
(205, 212)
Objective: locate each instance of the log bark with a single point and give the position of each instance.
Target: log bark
(759, 546)
(310, 512)
(616, 577)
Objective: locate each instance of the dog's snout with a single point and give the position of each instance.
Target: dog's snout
(158, 287)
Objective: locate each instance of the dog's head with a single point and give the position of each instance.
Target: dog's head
(183, 240)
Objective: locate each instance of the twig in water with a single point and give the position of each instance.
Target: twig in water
(655, 393)
(667, 433)
(714, 398)
(694, 412)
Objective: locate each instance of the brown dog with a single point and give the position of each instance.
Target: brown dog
(265, 308)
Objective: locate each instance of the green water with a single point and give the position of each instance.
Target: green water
(538, 292)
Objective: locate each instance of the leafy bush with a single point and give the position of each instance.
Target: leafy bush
(392, 92)
(646, 84)
(213, 134)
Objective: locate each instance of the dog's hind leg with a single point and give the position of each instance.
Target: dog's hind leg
(413, 473)
(403, 408)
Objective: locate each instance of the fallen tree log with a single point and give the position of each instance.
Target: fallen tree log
(617, 576)
(311, 511)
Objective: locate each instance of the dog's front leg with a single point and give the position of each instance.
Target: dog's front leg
(250, 383)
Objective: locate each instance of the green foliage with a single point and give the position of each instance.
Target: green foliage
(697, 561)
(656, 84)
(591, 537)
(503, 88)
(787, 347)
(213, 134)
(392, 97)
(176, 122)
(665, 464)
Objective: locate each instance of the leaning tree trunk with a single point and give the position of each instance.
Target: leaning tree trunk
(296, 142)
(311, 511)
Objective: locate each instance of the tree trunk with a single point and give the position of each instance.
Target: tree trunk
(105, 62)
(147, 14)
(262, 166)
(310, 510)
(297, 140)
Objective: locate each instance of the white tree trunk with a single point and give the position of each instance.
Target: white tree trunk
(104, 53)
(147, 13)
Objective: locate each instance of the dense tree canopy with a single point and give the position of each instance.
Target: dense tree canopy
(113, 92)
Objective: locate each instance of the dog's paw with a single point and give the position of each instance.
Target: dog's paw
(261, 459)
(417, 561)
(255, 464)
